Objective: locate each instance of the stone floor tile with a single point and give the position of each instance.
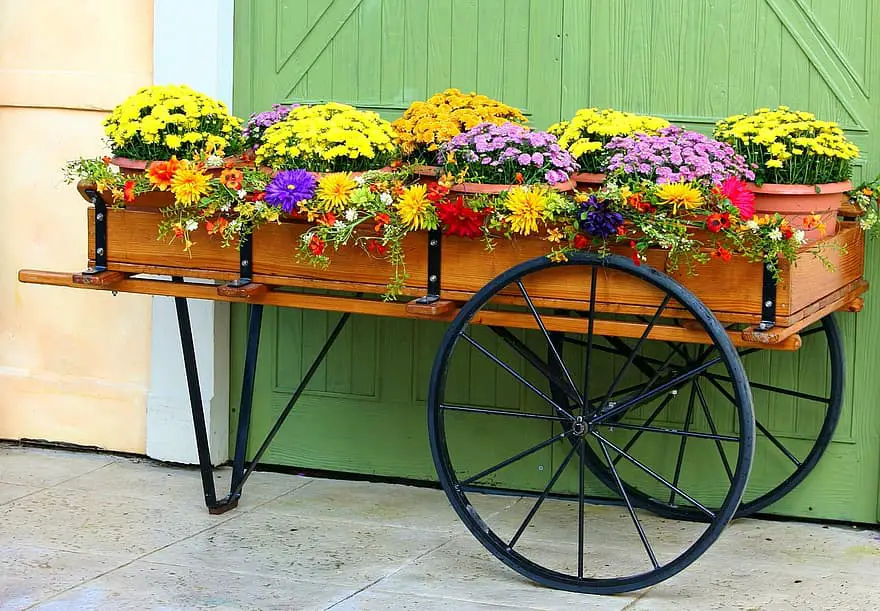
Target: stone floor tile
(100, 522)
(29, 575)
(10, 492)
(371, 600)
(464, 570)
(386, 504)
(144, 478)
(43, 467)
(146, 586)
(338, 552)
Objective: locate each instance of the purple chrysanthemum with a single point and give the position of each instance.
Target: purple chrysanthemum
(595, 219)
(676, 155)
(289, 188)
(258, 123)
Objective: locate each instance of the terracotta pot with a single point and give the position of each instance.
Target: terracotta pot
(796, 202)
(476, 187)
(588, 182)
(427, 174)
(139, 166)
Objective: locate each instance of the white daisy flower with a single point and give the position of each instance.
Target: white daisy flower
(360, 180)
(386, 198)
(241, 193)
(776, 234)
(350, 215)
(214, 161)
(191, 225)
(753, 225)
(800, 236)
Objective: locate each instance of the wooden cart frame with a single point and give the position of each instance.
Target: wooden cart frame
(668, 336)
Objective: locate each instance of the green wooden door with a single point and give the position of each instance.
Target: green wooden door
(691, 62)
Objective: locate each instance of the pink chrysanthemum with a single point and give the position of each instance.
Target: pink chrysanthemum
(739, 195)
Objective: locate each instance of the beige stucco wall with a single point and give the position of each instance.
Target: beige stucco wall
(74, 365)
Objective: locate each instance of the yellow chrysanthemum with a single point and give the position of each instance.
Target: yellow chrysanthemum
(414, 208)
(526, 207)
(189, 183)
(334, 190)
(679, 194)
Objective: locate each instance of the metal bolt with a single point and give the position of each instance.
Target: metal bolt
(245, 263)
(768, 303)
(433, 243)
(100, 216)
(432, 278)
(100, 251)
(540, 467)
(674, 393)
(769, 267)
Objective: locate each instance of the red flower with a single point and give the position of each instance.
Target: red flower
(518, 179)
(736, 191)
(328, 219)
(178, 231)
(216, 226)
(128, 191)
(459, 219)
(105, 160)
(722, 253)
(317, 246)
(436, 192)
(377, 248)
(787, 232)
(581, 242)
(635, 200)
(255, 197)
(381, 220)
(635, 254)
(718, 221)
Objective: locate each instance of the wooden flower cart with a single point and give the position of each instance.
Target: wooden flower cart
(632, 372)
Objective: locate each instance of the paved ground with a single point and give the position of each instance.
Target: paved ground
(91, 531)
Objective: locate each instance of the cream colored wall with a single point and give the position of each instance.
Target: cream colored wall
(74, 365)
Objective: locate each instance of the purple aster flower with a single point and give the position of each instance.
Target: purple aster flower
(259, 122)
(524, 159)
(537, 158)
(289, 188)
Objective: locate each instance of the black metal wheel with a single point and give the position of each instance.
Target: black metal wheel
(514, 463)
(798, 398)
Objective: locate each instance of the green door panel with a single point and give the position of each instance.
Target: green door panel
(691, 62)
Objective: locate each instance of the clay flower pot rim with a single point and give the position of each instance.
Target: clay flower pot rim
(780, 189)
(143, 164)
(426, 170)
(478, 187)
(588, 177)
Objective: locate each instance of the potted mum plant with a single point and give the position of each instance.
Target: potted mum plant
(802, 165)
(426, 125)
(586, 134)
(162, 122)
(259, 122)
(327, 138)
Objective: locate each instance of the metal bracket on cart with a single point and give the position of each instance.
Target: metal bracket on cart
(431, 304)
(244, 286)
(768, 300)
(98, 274)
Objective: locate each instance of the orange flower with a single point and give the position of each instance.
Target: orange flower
(216, 227)
(381, 220)
(722, 253)
(231, 178)
(128, 191)
(161, 172)
(518, 179)
(316, 246)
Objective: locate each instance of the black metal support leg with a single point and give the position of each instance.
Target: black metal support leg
(247, 398)
(195, 399)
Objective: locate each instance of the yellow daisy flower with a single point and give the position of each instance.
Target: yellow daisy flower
(679, 194)
(526, 207)
(189, 183)
(335, 190)
(414, 208)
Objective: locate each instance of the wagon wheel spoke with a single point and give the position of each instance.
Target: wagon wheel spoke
(513, 459)
(659, 478)
(587, 403)
(552, 347)
(543, 496)
(499, 412)
(711, 421)
(488, 354)
(629, 506)
(635, 351)
(535, 361)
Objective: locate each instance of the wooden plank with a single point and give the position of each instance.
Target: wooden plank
(810, 279)
(100, 279)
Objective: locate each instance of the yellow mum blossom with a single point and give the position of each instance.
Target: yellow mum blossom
(679, 194)
(415, 209)
(526, 206)
(334, 190)
(189, 183)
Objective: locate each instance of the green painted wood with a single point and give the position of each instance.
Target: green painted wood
(690, 62)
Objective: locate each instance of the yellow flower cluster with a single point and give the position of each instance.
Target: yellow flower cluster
(426, 125)
(525, 206)
(591, 128)
(164, 120)
(784, 133)
(329, 137)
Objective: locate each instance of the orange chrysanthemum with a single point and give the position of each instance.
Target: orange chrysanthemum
(161, 173)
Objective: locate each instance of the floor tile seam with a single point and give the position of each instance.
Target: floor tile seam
(391, 573)
(65, 480)
(434, 531)
(632, 604)
(23, 496)
(125, 564)
(450, 599)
